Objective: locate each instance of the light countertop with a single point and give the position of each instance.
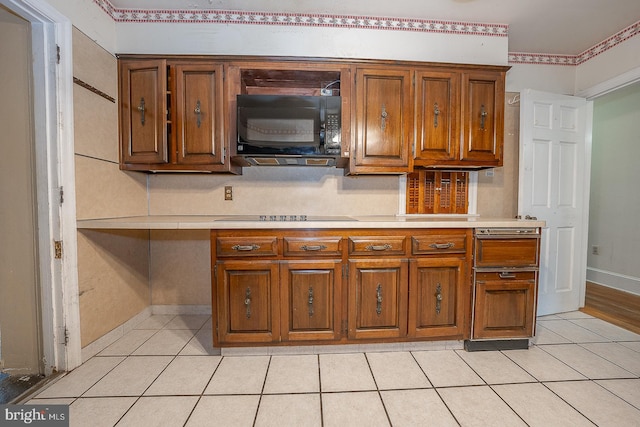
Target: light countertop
(194, 222)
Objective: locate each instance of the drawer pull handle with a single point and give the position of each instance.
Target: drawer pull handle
(310, 301)
(448, 245)
(438, 298)
(245, 248)
(379, 299)
(505, 275)
(313, 247)
(247, 302)
(378, 247)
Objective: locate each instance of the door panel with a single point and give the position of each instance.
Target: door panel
(310, 292)
(554, 187)
(199, 137)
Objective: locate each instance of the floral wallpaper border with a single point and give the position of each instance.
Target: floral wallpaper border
(362, 22)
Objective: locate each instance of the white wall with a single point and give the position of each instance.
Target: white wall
(615, 200)
(244, 39)
(546, 78)
(621, 59)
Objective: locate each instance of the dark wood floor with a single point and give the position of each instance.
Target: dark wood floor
(614, 306)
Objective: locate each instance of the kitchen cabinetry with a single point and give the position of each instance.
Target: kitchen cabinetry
(378, 273)
(438, 274)
(383, 121)
(437, 116)
(460, 117)
(172, 116)
(482, 118)
(506, 266)
(339, 285)
(288, 286)
(143, 107)
(178, 113)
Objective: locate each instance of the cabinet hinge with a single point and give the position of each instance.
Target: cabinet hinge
(57, 249)
(57, 54)
(61, 195)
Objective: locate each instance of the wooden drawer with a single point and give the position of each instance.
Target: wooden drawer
(247, 246)
(505, 304)
(313, 246)
(377, 245)
(439, 244)
(505, 276)
(515, 252)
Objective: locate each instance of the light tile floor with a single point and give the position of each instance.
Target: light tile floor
(580, 371)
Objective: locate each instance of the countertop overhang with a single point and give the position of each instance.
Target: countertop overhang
(243, 222)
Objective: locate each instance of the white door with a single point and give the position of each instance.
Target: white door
(555, 158)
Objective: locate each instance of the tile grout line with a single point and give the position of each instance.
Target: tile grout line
(375, 382)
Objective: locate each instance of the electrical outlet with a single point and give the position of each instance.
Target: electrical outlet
(228, 192)
(595, 250)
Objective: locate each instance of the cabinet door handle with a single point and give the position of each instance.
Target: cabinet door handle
(246, 248)
(379, 299)
(198, 112)
(483, 115)
(313, 247)
(378, 247)
(505, 275)
(310, 301)
(383, 118)
(142, 108)
(436, 113)
(247, 302)
(438, 298)
(447, 245)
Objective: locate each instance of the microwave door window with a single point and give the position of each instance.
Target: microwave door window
(276, 131)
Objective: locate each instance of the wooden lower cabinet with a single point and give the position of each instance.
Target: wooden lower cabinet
(378, 298)
(248, 300)
(340, 286)
(505, 305)
(436, 306)
(310, 300)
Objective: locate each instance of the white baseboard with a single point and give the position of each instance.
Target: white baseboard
(614, 280)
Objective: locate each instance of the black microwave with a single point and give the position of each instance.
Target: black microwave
(289, 129)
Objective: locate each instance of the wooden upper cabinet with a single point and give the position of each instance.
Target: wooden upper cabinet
(172, 115)
(199, 116)
(483, 117)
(143, 106)
(437, 116)
(383, 121)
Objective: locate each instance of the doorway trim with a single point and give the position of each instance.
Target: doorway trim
(55, 181)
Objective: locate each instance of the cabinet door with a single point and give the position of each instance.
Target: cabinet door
(143, 109)
(504, 304)
(483, 117)
(199, 119)
(437, 117)
(247, 301)
(436, 306)
(310, 300)
(384, 121)
(378, 298)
